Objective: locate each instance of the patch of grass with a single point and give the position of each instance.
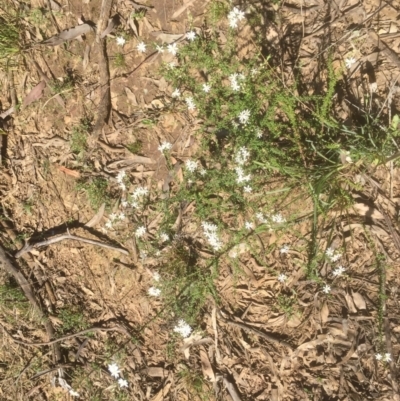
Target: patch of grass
(286, 304)
(78, 138)
(119, 60)
(60, 86)
(73, 320)
(96, 190)
(195, 384)
(11, 293)
(135, 147)
(28, 206)
(10, 44)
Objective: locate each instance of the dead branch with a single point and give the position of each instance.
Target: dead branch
(28, 247)
(105, 99)
(269, 337)
(232, 390)
(67, 337)
(27, 289)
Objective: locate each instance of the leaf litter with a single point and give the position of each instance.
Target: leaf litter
(329, 346)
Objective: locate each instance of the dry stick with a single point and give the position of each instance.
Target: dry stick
(269, 337)
(105, 100)
(231, 390)
(26, 288)
(392, 365)
(28, 247)
(57, 340)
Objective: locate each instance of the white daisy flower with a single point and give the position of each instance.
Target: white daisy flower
(122, 186)
(164, 237)
(109, 224)
(139, 192)
(154, 292)
(282, 278)
(176, 93)
(254, 72)
(206, 88)
(339, 271)
(378, 357)
(203, 172)
(284, 249)
(173, 49)
(121, 175)
(259, 133)
(190, 103)
(244, 116)
(278, 218)
(191, 35)
(387, 357)
(171, 65)
(327, 289)
(210, 232)
(233, 23)
(234, 83)
(140, 231)
(191, 165)
(241, 177)
(329, 252)
(183, 329)
(120, 41)
(156, 276)
(249, 225)
(122, 383)
(234, 16)
(114, 370)
(124, 203)
(165, 146)
(242, 156)
(160, 49)
(247, 189)
(141, 47)
(349, 62)
(336, 257)
(73, 393)
(112, 216)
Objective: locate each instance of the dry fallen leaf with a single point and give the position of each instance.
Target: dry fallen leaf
(112, 23)
(55, 6)
(364, 210)
(86, 57)
(206, 365)
(276, 321)
(35, 94)
(155, 371)
(181, 9)
(68, 34)
(97, 217)
(359, 301)
(162, 394)
(324, 313)
(72, 173)
(350, 303)
(131, 97)
(167, 37)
